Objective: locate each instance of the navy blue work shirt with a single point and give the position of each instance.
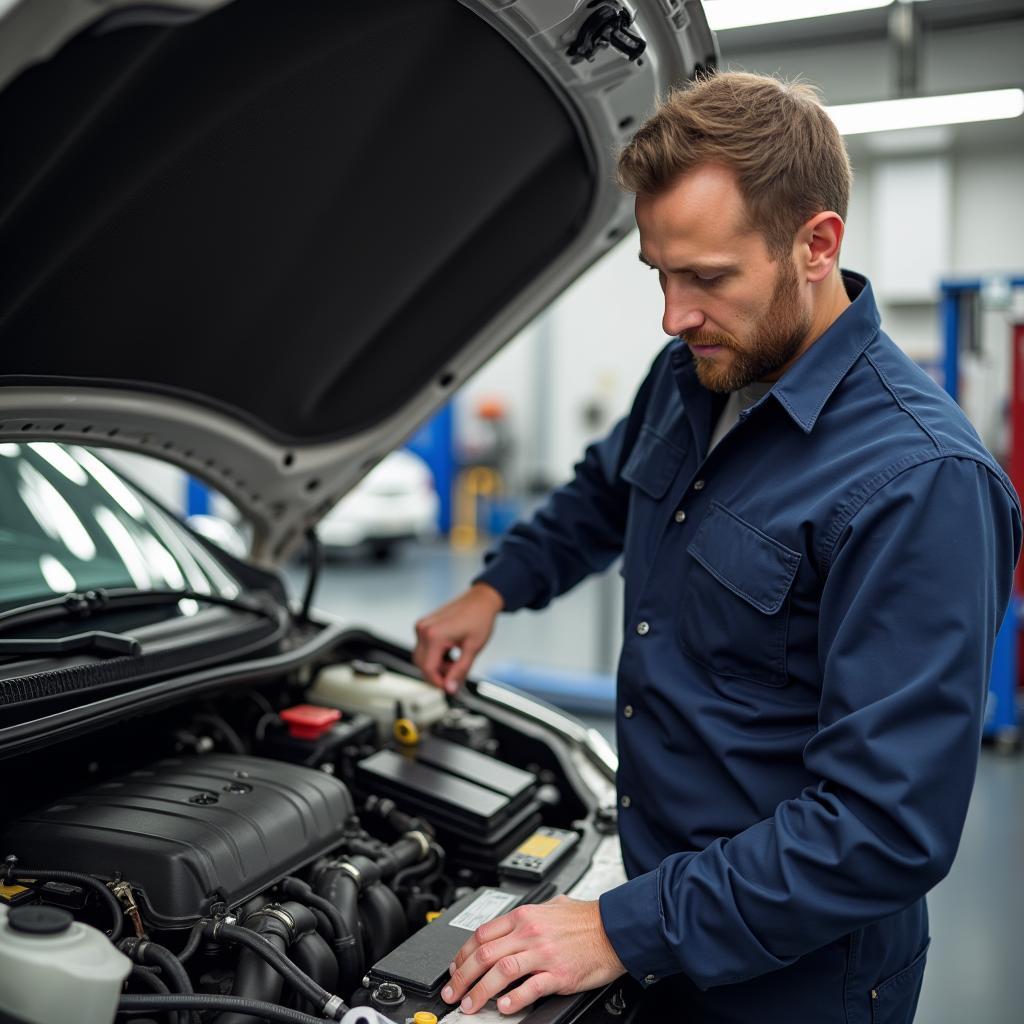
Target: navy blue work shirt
(810, 613)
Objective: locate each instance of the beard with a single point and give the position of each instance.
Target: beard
(777, 340)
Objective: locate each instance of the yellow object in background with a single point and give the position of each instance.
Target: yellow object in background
(473, 483)
(424, 1017)
(406, 732)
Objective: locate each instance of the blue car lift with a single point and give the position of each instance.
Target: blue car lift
(1002, 715)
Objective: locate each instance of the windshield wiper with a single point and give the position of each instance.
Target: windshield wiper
(96, 641)
(92, 602)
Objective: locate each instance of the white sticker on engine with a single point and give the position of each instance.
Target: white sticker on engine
(487, 906)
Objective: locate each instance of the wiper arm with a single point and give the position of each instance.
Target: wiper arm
(96, 641)
(84, 605)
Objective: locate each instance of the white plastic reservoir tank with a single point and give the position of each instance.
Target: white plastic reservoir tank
(55, 970)
(367, 687)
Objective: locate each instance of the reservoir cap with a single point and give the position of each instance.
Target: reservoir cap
(39, 920)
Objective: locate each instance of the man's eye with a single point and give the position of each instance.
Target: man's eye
(711, 282)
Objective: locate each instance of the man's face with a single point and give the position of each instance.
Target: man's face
(745, 317)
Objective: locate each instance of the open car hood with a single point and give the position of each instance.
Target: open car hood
(266, 241)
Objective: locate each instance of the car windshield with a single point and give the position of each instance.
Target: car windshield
(68, 522)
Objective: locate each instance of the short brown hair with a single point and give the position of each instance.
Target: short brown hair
(787, 154)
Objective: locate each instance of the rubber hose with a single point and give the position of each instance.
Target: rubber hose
(194, 938)
(255, 979)
(296, 889)
(206, 1001)
(152, 981)
(142, 951)
(316, 958)
(106, 896)
(304, 984)
(323, 925)
(341, 940)
(383, 921)
(399, 855)
(384, 807)
(339, 888)
(415, 871)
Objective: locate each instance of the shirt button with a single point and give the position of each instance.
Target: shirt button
(643, 628)
(698, 485)
(628, 710)
(625, 801)
(680, 516)
(649, 979)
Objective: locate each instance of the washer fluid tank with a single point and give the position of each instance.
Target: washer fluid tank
(367, 687)
(53, 969)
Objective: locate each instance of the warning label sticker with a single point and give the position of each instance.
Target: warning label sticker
(487, 906)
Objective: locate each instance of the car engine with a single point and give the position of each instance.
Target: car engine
(302, 850)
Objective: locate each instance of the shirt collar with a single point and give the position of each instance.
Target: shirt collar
(808, 384)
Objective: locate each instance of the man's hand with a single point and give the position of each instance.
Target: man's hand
(559, 947)
(465, 623)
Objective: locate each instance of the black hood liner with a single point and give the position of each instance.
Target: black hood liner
(296, 212)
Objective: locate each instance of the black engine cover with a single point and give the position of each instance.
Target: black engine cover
(188, 832)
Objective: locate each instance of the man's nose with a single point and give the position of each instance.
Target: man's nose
(682, 311)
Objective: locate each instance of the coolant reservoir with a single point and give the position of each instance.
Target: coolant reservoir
(54, 970)
(366, 687)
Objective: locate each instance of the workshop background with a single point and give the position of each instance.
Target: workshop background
(937, 224)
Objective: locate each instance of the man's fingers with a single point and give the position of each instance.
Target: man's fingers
(506, 970)
(488, 932)
(535, 987)
(483, 958)
(459, 669)
(433, 652)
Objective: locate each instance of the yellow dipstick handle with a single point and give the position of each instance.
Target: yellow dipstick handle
(406, 732)
(424, 1017)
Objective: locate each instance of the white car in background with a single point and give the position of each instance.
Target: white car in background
(396, 501)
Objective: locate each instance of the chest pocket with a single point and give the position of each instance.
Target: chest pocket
(652, 464)
(735, 615)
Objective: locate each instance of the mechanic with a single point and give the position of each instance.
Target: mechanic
(817, 553)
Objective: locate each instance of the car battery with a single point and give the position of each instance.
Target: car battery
(481, 807)
(420, 964)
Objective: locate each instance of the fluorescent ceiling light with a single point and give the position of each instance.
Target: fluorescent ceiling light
(925, 111)
(725, 14)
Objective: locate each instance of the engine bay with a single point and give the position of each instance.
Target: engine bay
(319, 845)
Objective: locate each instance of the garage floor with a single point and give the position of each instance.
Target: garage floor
(974, 967)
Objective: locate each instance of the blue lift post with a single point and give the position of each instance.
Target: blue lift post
(434, 443)
(1002, 719)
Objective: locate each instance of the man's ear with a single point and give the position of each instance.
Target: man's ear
(817, 244)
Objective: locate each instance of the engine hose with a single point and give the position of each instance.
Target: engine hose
(313, 955)
(323, 925)
(415, 871)
(342, 937)
(142, 951)
(326, 1002)
(402, 854)
(383, 917)
(149, 979)
(192, 944)
(255, 979)
(296, 889)
(208, 1001)
(15, 873)
(386, 808)
(341, 890)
